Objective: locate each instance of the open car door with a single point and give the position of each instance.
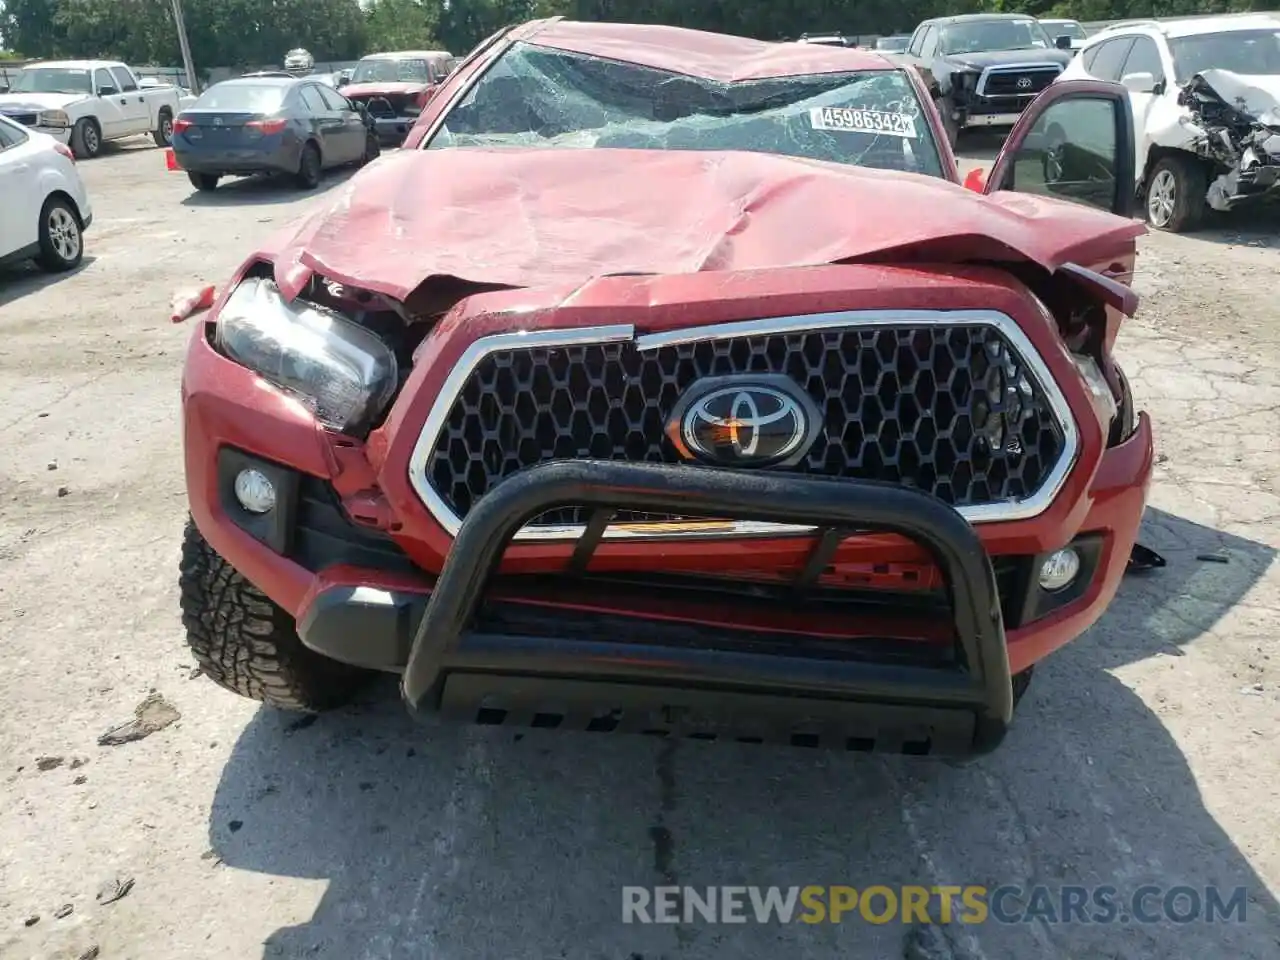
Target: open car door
(1074, 142)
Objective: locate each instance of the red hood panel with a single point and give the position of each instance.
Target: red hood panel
(528, 218)
(380, 89)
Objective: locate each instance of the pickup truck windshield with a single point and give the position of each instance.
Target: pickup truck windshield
(980, 36)
(539, 97)
(52, 80)
(390, 71)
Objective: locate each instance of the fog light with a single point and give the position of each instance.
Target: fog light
(1059, 569)
(256, 493)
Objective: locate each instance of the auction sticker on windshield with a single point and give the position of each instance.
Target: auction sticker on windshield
(863, 121)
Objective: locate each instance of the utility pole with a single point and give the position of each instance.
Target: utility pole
(193, 81)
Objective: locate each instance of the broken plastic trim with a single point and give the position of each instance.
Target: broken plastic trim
(1143, 560)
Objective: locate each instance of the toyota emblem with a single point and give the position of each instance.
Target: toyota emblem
(744, 421)
(1024, 83)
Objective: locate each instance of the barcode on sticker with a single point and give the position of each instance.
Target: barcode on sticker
(863, 121)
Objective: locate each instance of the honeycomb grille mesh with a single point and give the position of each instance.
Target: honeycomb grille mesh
(952, 410)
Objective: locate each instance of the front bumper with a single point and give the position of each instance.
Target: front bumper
(989, 120)
(368, 608)
(61, 134)
(960, 705)
(391, 131)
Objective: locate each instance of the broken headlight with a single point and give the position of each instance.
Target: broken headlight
(1104, 400)
(340, 370)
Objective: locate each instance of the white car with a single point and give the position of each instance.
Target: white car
(1206, 109)
(1066, 28)
(46, 208)
(85, 103)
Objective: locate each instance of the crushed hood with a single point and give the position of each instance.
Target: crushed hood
(381, 89)
(541, 217)
(31, 102)
(1257, 96)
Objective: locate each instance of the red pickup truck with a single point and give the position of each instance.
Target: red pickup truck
(672, 382)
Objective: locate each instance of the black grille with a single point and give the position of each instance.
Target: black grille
(951, 410)
(1007, 82)
(26, 119)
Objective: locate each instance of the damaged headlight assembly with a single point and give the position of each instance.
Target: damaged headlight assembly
(343, 373)
(1104, 400)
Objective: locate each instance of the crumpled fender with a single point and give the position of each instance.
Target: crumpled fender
(526, 218)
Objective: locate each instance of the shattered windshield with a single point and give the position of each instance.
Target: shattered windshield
(390, 71)
(51, 80)
(1250, 52)
(980, 36)
(539, 97)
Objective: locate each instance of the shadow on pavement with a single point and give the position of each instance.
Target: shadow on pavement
(261, 190)
(1251, 226)
(23, 279)
(446, 841)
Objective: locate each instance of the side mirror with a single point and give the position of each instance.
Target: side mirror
(1074, 142)
(344, 78)
(4, 86)
(1062, 42)
(107, 91)
(1139, 82)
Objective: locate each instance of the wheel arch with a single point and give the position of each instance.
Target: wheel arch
(58, 193)
(1157, 153)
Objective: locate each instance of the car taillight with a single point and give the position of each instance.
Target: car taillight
(181, 126)
(266, 126)
(63, 149)
(424, 96)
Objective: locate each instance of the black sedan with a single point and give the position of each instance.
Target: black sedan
(270, 124)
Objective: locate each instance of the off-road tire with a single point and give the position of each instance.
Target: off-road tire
(1190, 184)
(949, 124)
(247, 644)
(165, 120)
(309, 168)
(55, 238)
(86, 139)
(203, 181)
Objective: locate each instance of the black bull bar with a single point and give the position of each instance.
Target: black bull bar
(963, 708)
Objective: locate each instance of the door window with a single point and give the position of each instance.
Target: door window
(918, 40)
(929, 45)
(123, 79)
(312, 99)
(1071, 153)
(102, 82)
(1144, 58)
(1108, 57)
(332, 99)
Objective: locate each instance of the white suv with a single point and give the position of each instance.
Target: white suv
(1206, 109)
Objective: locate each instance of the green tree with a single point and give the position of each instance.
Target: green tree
(30, 26)
(402, 24)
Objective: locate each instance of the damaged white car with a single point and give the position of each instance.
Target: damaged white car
(1206, 110)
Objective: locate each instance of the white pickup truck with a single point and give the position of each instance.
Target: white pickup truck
(84, 103)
